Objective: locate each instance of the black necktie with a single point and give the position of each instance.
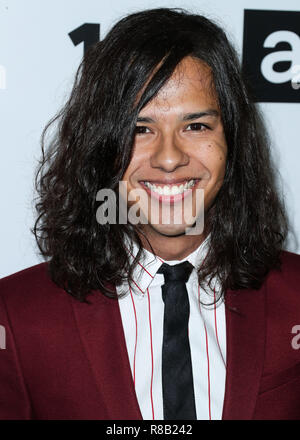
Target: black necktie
(177, 375)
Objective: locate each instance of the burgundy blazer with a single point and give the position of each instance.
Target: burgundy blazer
(68, 360)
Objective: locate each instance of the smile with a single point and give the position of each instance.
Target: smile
(170, 190)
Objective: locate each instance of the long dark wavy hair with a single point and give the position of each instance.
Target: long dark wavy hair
(92, 145)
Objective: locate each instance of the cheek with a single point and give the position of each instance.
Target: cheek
(213, 157)
(132, 167)
(133, 172)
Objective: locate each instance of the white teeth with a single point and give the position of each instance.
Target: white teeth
(175, 190)
(168, 190)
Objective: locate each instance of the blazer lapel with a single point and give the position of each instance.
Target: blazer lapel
(245, 327)
(101, 331)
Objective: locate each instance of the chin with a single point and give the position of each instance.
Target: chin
(170, 230)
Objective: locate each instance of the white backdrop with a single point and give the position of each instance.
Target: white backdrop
(37, 65)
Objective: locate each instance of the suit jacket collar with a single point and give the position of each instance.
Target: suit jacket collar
(103, 340)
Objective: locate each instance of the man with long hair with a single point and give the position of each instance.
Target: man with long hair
(150, 318)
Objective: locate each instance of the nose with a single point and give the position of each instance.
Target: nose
(169, 155)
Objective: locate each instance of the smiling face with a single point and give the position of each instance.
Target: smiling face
(179, 147)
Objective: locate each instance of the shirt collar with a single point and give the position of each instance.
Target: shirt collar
(145, 271)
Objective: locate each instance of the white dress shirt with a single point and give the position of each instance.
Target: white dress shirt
(142, 312)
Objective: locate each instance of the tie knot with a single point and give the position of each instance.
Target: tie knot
(178, 272)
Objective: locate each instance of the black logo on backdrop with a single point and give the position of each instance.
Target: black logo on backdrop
(88, 34)
(271, 54)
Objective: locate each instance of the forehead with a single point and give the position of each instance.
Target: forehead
(190, 84)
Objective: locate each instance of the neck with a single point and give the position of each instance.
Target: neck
(172, 248)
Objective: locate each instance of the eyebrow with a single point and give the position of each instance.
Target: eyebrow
(187, 116)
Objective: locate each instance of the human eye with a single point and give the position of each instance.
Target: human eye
(197, 126)
(141, 129)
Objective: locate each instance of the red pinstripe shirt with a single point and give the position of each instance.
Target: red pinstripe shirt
(142, 311)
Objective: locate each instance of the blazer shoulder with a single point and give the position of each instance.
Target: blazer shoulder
(34, 281)
(290, 264)
(286, 280)
(34, 285)
(290, 258)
